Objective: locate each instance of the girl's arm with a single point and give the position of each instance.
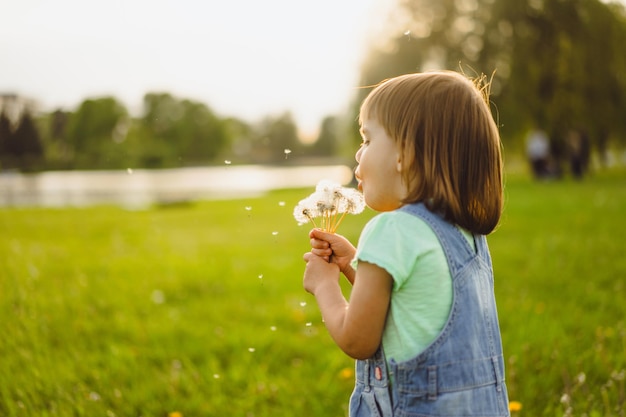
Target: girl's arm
(357, 326)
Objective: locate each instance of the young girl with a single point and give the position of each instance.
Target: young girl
(421, 320)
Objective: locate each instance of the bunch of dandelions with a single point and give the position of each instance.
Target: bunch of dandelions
(330, 203)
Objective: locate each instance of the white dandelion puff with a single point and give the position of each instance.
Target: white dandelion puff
(330, 202)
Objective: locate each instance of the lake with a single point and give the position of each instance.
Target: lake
(140, 188)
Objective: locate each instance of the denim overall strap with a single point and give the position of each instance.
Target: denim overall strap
(458, 251)
(371, 395)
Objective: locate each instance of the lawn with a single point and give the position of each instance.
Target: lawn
(198, 310)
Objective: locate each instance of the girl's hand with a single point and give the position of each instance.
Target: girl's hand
(334, 249)
(319, 272)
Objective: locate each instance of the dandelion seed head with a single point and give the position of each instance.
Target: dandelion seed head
(328, 201)
(327, 186)
(305, 211)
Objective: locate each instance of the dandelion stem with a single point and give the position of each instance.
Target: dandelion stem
(338, 222)
(311, 219)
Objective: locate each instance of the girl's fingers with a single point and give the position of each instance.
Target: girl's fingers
(319, 244)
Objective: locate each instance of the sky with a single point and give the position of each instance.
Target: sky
(246, 58)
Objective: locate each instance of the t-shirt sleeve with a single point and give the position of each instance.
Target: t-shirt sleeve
(395, 241)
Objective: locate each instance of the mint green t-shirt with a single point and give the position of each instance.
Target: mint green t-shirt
(406, 247)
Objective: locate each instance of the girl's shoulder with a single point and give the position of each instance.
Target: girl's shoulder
(396, 225)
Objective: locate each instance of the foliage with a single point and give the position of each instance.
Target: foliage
(551, 58)
(327, 141)
(20, 148)
(199, 309)
(272, 137)
(179, 130)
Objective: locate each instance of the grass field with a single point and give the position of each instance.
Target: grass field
(199, 311)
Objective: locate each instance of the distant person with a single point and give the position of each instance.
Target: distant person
(421, 321)
(538, 153)
(578, 152)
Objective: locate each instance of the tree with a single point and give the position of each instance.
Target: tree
(180, 132)
(551, 58)
(26, 144)
(93, 134)
(5, 136)
(275, 139)
(326, 143)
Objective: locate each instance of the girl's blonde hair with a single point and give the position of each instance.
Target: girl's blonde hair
(451, 148)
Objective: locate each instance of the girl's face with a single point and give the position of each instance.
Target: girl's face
(379, 169)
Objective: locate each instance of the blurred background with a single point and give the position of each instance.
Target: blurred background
(130, 86)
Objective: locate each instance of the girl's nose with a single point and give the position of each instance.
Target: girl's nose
(357, 156)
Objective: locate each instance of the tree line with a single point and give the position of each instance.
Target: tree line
(170, 132)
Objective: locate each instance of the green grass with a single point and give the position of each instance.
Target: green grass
(199, 309)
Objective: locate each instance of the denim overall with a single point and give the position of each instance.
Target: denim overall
(462, 372)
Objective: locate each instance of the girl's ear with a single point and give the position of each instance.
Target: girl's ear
(399, 166)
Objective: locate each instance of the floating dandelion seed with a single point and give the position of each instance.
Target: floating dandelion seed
(407, 33)
(129, 171)
(302, 303)
(330, 202)
(216, 376)
(309, 324)
(251, 350)
(281, 203)
(248, 208)
(287, 152)
(274, 233)
(273, 328)
(227, 161)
